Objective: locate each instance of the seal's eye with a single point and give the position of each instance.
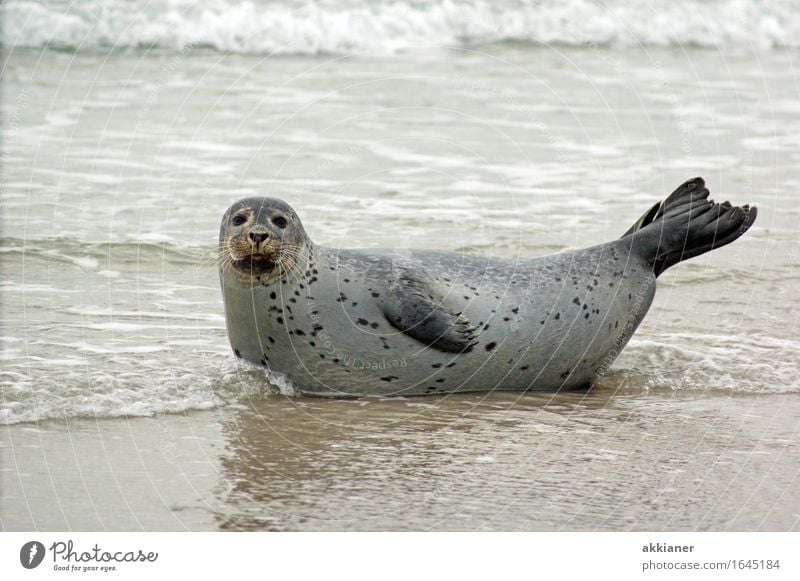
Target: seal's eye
(239, 219)
(280, 221)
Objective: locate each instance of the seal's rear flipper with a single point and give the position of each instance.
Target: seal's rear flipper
(687, 224)
(416, 310)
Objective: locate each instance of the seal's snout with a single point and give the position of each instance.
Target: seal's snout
(257, 238)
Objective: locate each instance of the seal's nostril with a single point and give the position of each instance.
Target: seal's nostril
(258, 237)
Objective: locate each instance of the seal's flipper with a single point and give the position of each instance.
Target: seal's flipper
(415, 309)
(687, 224)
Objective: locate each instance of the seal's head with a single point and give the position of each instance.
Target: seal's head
(260, 239)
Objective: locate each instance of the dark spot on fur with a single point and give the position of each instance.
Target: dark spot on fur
(299, 332)
(441, 380)
(524, 367)
(576, 300)
(586, 316)
(506, 319)
(585, 306)
(322, 356)
(347, 280)
(355, 304)
(486, 326)
(515, 310)
(272, 295)
(565, 374)
(389, 378)
(558, 316)
(376, 295)
(374, 325)
(236, 352)
(280, 320)
(263, 362)
(436, 365)
(362, 322)
(336, 360)
(312, 343)
(453, 364)
(491, 346)
(271, 340)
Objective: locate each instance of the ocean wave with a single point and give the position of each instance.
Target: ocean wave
(692, 362)
(92, 255)
(386, 26)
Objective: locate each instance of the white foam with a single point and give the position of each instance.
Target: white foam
(696, 361)
(344, 26)
(87, 262)
(90, 391)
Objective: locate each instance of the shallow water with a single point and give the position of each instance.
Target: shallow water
(118, 166)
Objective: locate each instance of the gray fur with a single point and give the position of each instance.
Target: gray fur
(372, 322)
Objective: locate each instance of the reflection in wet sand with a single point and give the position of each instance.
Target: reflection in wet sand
(498, 462)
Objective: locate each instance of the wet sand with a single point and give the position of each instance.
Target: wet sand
(573, 462)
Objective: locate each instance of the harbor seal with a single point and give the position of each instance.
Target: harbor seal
(341, 322)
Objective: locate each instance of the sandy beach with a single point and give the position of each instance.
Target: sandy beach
(600, 462)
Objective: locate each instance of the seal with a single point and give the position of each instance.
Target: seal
(378, 322)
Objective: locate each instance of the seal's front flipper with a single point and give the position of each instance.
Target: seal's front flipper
(414, 308)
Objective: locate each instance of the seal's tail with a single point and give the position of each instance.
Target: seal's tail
(688, 224)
